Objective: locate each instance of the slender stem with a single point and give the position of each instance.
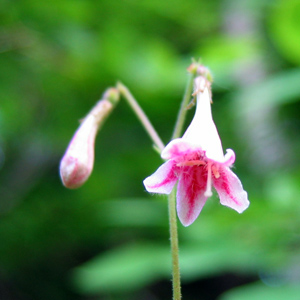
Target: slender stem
(172, 197)
(174, 246)
(141, 116)
(183, 108)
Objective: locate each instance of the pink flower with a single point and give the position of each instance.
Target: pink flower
(197, 162)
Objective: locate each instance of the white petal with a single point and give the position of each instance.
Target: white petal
(202, 132)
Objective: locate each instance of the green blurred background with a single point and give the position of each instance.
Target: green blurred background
(109, 239)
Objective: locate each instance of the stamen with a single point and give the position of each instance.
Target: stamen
(190, 163)
(215, 171)
(208, 192)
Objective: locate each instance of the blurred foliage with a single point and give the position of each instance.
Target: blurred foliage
(109, 239)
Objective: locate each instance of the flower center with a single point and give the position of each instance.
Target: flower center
(190, 163)
(211, 169)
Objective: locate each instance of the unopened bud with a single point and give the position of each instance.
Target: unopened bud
(77, 164)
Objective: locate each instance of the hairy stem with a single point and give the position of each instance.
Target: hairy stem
(174, 246)
(172, 197)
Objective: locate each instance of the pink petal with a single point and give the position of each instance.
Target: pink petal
(177, 148)
(190, 193)
(163, 180)
(230, 190)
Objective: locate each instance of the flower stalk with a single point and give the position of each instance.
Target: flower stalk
(174, 246)
(141, 116)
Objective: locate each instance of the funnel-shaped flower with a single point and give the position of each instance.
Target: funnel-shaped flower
(78, 161)
(197, 162)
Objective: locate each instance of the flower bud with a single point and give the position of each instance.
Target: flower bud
(77, 164)
(197, 69)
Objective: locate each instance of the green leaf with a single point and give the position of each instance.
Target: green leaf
(127, 268)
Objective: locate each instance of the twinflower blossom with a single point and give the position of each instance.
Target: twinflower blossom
(77, 163)
(198, 163)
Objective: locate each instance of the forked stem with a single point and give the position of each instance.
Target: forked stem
(159, 144)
